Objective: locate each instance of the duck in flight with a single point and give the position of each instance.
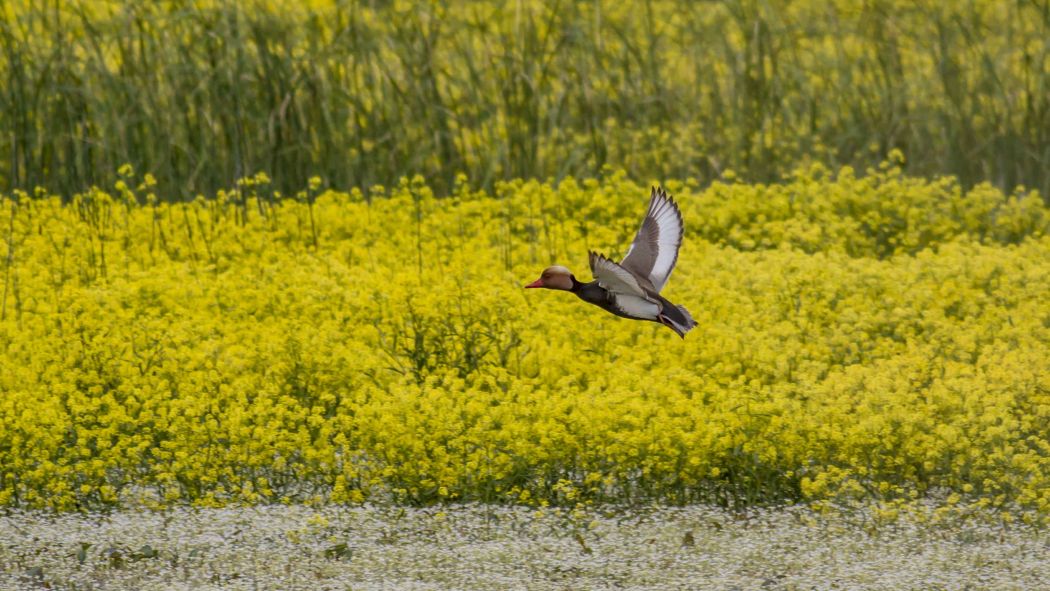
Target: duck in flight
(631, 288)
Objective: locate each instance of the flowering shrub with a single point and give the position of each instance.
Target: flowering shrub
(877, 336)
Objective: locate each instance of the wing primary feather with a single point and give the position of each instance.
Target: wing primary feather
(654, 251)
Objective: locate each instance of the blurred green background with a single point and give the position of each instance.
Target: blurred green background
(201, 93)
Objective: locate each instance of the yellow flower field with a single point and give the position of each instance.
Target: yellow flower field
(865, 336)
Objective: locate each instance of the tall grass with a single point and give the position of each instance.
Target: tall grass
(203, 93)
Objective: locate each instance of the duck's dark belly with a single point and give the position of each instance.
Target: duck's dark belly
(593, 293)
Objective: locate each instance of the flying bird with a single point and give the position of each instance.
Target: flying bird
(631, 288)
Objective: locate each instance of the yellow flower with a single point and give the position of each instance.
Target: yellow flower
(205, 359)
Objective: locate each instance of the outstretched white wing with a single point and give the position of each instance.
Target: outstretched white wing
(626, 293)
(654, 252)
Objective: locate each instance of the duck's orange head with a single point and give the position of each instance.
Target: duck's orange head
(556, 277)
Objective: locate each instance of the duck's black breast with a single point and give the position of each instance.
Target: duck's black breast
(592, 293)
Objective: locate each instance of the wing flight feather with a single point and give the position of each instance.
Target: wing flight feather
(654, 252)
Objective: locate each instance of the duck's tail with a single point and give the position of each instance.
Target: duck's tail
(679, 320)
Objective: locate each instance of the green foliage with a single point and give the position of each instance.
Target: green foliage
(203, 93)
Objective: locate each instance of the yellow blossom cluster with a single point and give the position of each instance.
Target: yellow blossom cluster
(860, 336)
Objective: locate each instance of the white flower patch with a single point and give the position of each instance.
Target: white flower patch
(487, 547)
